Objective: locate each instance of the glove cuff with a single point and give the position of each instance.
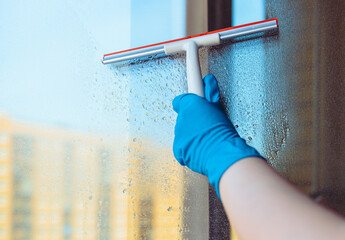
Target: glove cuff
(226, 158)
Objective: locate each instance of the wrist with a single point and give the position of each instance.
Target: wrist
(229, 153)
(246, 168)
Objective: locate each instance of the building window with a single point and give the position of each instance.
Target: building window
(3, 154)
(3, 139)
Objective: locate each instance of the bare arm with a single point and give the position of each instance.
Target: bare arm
(262, 205)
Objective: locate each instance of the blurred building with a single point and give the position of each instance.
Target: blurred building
(56, 184)
(155, 193)
(6, 183)
(49, 179)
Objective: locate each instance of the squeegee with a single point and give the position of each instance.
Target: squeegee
(190, 46)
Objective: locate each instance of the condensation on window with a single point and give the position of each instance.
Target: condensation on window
(86, 149)
(283, 94)
(162, 195)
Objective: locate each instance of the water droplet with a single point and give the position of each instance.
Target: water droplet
(169, 209)
(124, 190)
(134, 139)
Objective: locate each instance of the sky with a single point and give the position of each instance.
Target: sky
(247, 11)
(156, 21)
(51, 52)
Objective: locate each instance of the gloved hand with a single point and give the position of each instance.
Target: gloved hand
(205, 139)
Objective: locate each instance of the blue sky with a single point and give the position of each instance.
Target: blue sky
(247, 11)
(51, 51)
(156, 21)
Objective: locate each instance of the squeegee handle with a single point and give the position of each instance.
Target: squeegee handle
(191, 47)
(194, 79)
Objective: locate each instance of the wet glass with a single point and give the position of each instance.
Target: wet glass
(86, 149)
(284, 94)
(306, 60)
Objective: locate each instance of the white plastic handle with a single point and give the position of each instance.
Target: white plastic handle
(194, 79)
(191, 47)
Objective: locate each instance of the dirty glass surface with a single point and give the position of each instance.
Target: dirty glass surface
(284, 94)
(165, 201)
(85, 149)
(307, 61)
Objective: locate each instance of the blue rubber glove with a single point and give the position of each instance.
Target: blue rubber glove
(205, 139)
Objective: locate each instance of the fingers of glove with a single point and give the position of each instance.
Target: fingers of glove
(211, 88)
(211, 91)
(177, 101)
(196, 113)
(182, 101)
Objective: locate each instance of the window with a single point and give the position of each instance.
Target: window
(90, 153)
(2, 232)
(2, 216)
(86, 151)
(3, 185)
(3, 139)
(247, 11)
(3, 154)
(3, 201)
(3, 170)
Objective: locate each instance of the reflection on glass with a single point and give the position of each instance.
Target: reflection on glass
(160, 202)
(84, 154)
(66, 185)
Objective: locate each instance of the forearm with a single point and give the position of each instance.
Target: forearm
(262, 205)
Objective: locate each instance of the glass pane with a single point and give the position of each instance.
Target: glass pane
(156, 21)
(155, 184)
(247, 11)
(283, 93)
(86, 150)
